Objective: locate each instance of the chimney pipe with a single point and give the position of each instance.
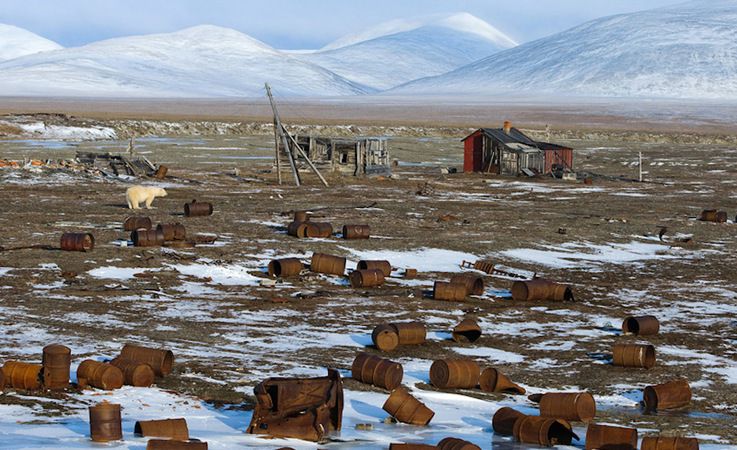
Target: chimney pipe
(507, 126)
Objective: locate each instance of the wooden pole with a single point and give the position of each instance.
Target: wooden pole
(640, 153)
(304, 155)
(280, 131)
(276, 149)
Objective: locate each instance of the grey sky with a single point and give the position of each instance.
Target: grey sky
(293, 23)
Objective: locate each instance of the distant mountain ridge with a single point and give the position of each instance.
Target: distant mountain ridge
(16, 42)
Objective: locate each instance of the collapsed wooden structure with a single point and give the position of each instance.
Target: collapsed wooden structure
(118, 164)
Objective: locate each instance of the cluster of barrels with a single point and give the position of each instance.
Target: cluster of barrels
(106, 425)
(135, 366)
(713, 215)
(629, 354)
(303, 227)
(143, 233)
(462, 285)
(559, 409)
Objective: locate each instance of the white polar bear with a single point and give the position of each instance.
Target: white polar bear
(137, 194)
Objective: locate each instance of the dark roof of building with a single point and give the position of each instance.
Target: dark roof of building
(515, 136)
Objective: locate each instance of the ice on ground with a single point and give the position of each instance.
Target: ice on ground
(227, 275)
(423, 259)
(493, 354)
(44, 131)
(119, 273)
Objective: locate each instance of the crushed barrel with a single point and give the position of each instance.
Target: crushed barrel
(366, 278)
(468, 330)
(455, 373)
(633, 355)
(451, 443)
(160, 360)
(172, 231)
(132, 223)
(134, 373)
(195, 208)
(407, 409)
(382, 265)
(492, 380)
(541, 289)
(572, 406)
(385, 337)
(712, 215)
(77, 242)
(56, 361)
(22, 375)
(504, 419)
(484, 265)
(147, 238)
(285, 267)
(100, 375)
(671, 395)
(327, 264)
(543, 431)
(452, 292)
(610, 437)
(377, 371)
(356, 231)
(641, 325)
(669, 443)
(474, 283)
(105, 422)
(164, 428)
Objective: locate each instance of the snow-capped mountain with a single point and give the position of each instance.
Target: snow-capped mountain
(16, 42)
(400, 51)
(203, 61)
(685, 51)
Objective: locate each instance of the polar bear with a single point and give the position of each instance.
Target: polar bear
(137, 194)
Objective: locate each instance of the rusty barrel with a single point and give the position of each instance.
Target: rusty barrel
(169, 444)
(301, 216)
(541, 289)
(573, 406)
(633, 355)
(165, 428)
(382, 265)
(105, 422)
(21, 375)
(712, 215)
(77, 242)
(451, 443)
(172, 231)
(671, 395)
(56, 362)
(474, 283)
(296, 229)
(356, 231)
(366, 278)
(669, 443)
(542, 431)
(411, 333)
(410, 273)
(492, 380)
(407, 409)
(385, 337)
(316, 230)
(455, 373)
(328, 264)
(134, 373)
(160, 173)
(641, 325)
(468, 330)
(609, 437)
(195, 208)
(160, 360)
(132, 223)
(285, 267)
(147, 238)
(100, 375)
(453, 292)
(504, 420)
(396, 446)
(377, 371)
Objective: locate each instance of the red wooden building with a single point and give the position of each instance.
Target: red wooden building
(509, 151)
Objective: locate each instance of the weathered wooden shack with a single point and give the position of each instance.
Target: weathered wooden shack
(349, 156)
(508, 151)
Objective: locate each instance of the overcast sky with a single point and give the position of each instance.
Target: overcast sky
(293, 24)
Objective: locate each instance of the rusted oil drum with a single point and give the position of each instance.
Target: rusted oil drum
(455, 373)
(328, 264)
(671, 395)
(396, 446)
(147, 238)
(542, 431)
(301, 216)
(77, 242)
(296, 229)
(377, 371)
(451, 443)
(641, 325)
(2, 380)
(172, 231)
(21, 375)
(484, 265)
(166, 428)
(285, 267)
(134, 373)
(105, 422)
(474, 283)
(669, 443)
(466, 331)
(317, 230)
(161, 172)
(385, 337)
(410, 273)
(366, 278)
(492, 380)
(573, 406)
(407, 409)
(168, 444)
(712, 215)
(56, 362)
(356, 231)
(504, 419)
(382, 265)
(195, 208)
(609, 437)
(132, 223)
(540, 289)
(411, 333)
(160, 360)
(100, 375)
(633, 355)
(443, 290)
